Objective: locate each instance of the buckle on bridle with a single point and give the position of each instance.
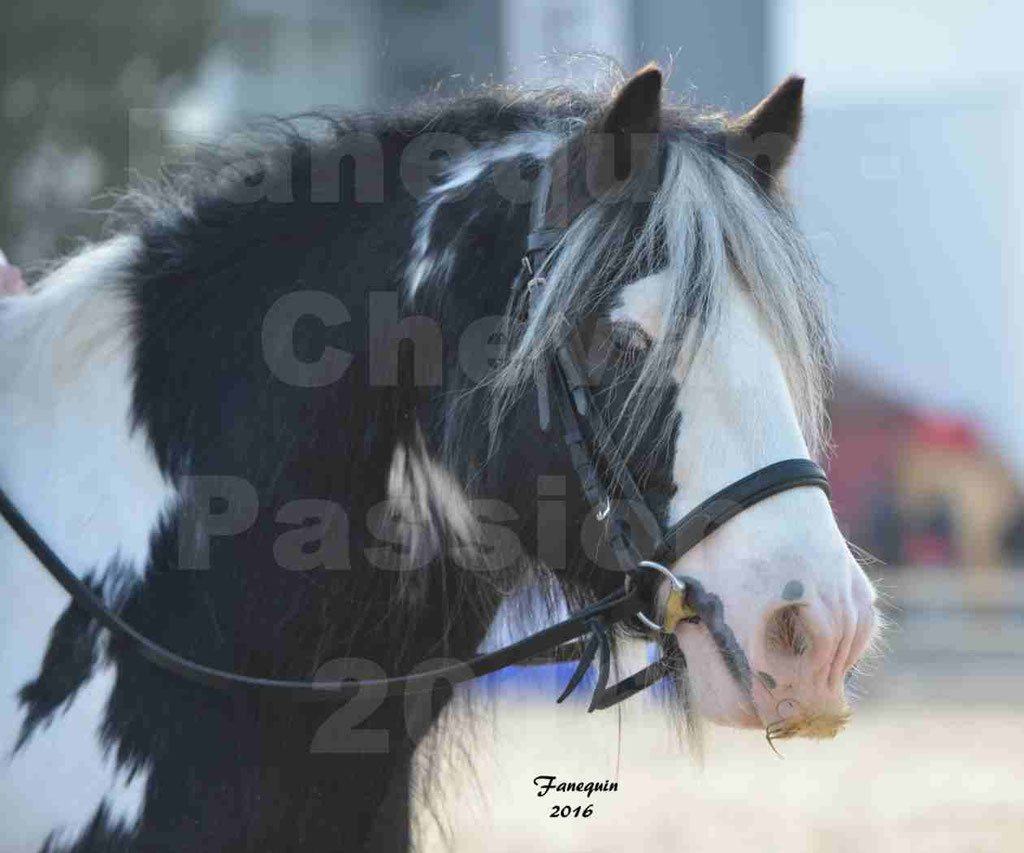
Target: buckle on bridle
(534, 283)
(676, 608)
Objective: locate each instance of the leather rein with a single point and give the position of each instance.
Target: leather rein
(589, 443)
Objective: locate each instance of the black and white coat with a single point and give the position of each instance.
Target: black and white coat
(264, 420)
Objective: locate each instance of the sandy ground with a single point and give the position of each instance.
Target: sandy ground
(933, 762)
(910, 777)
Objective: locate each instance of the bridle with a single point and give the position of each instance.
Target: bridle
(591, 450)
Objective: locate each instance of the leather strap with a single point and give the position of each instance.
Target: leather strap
(706, 518)
(613, 608)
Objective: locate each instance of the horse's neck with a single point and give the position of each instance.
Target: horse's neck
(71, 461)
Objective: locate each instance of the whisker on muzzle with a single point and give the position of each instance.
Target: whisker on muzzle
(815, 726)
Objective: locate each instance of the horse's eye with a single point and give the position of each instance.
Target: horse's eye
(630, 339)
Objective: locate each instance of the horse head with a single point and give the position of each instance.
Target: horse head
(703, 317)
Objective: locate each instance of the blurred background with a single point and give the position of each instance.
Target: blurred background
(909, 185)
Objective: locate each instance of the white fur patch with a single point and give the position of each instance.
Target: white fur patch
(92, 488)
(68, 460)
(738, 415)
(428, 503)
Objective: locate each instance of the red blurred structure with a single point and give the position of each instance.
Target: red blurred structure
(917, 487)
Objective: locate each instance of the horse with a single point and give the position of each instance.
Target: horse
(310, 414)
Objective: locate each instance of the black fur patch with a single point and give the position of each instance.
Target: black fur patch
(68, 663)
(101, 836)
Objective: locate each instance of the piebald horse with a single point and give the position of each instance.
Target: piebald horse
(284, 424)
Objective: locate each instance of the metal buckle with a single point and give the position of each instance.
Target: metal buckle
(676, 608)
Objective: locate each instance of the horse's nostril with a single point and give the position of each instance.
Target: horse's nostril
(787, 633)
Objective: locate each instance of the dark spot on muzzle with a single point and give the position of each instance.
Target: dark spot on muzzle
(793, 591)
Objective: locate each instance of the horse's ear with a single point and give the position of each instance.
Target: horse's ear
(619, 143)
(637, 106)
(624, 142)
(767, 135)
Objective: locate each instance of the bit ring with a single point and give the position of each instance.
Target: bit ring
(680, 587)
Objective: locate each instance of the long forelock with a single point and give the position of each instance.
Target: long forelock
(708, 224)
